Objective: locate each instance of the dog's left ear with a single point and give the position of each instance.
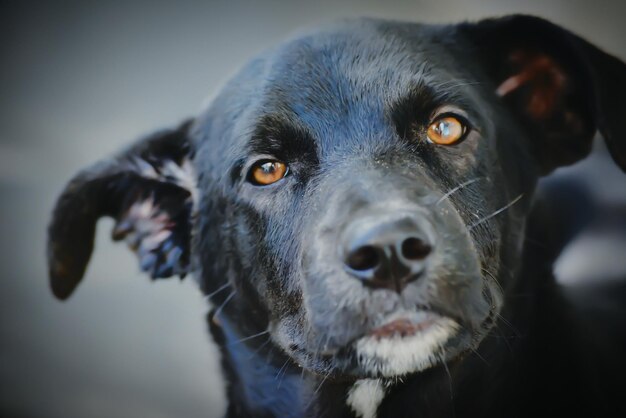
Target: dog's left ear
(149, 190)
(558, 85)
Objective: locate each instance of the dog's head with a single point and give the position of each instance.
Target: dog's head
(360, 191)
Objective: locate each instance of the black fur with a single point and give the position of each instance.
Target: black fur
(347, 109)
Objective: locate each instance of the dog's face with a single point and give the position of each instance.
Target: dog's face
(360, 192)
(373, 252)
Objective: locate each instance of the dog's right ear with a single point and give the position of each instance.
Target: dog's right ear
(148, 189)
(561, 88)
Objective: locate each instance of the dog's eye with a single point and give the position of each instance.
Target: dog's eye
(266, 172)
(447, 130)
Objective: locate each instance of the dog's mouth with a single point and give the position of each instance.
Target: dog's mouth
(405, 342)
(403, 327)
(401, 343)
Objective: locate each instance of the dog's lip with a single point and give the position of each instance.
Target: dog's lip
(404, 324)
(403, 327)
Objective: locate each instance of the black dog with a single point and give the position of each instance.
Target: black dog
(358, 203)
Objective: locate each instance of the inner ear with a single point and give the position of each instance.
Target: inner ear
(553, 102)
(543, 80)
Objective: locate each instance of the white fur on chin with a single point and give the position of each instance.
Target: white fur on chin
(398, 355)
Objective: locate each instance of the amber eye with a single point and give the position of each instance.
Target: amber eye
(267, 172)
(447, 130)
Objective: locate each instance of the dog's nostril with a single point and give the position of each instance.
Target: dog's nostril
(385, 251)
(415, 249)
(363, 258)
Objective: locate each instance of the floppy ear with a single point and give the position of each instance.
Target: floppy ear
(148, 189)
(560, 87)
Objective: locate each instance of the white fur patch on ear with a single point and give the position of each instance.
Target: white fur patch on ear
(143, 225)
(510, 84)
(182, 175)
(365, 396)
(399, 355)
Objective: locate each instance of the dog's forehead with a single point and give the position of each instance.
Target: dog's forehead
(339, 79)
(354, 61)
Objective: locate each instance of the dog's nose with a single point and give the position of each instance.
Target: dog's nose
(388, 254)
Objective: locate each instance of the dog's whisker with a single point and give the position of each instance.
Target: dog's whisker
(494, 280)
(496, 213)
(508, 324)
(456, 84)
(506, 340)
(248, 338)
(456, 189)
(283, 367)
(259, 348)
(473, 350)
(302, 374)
(313, 395)
(445, 366)
(215, 292)
(325, 343)
(280, 381)
(221, 307)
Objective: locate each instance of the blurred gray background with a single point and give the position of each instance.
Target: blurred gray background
(80, 79)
